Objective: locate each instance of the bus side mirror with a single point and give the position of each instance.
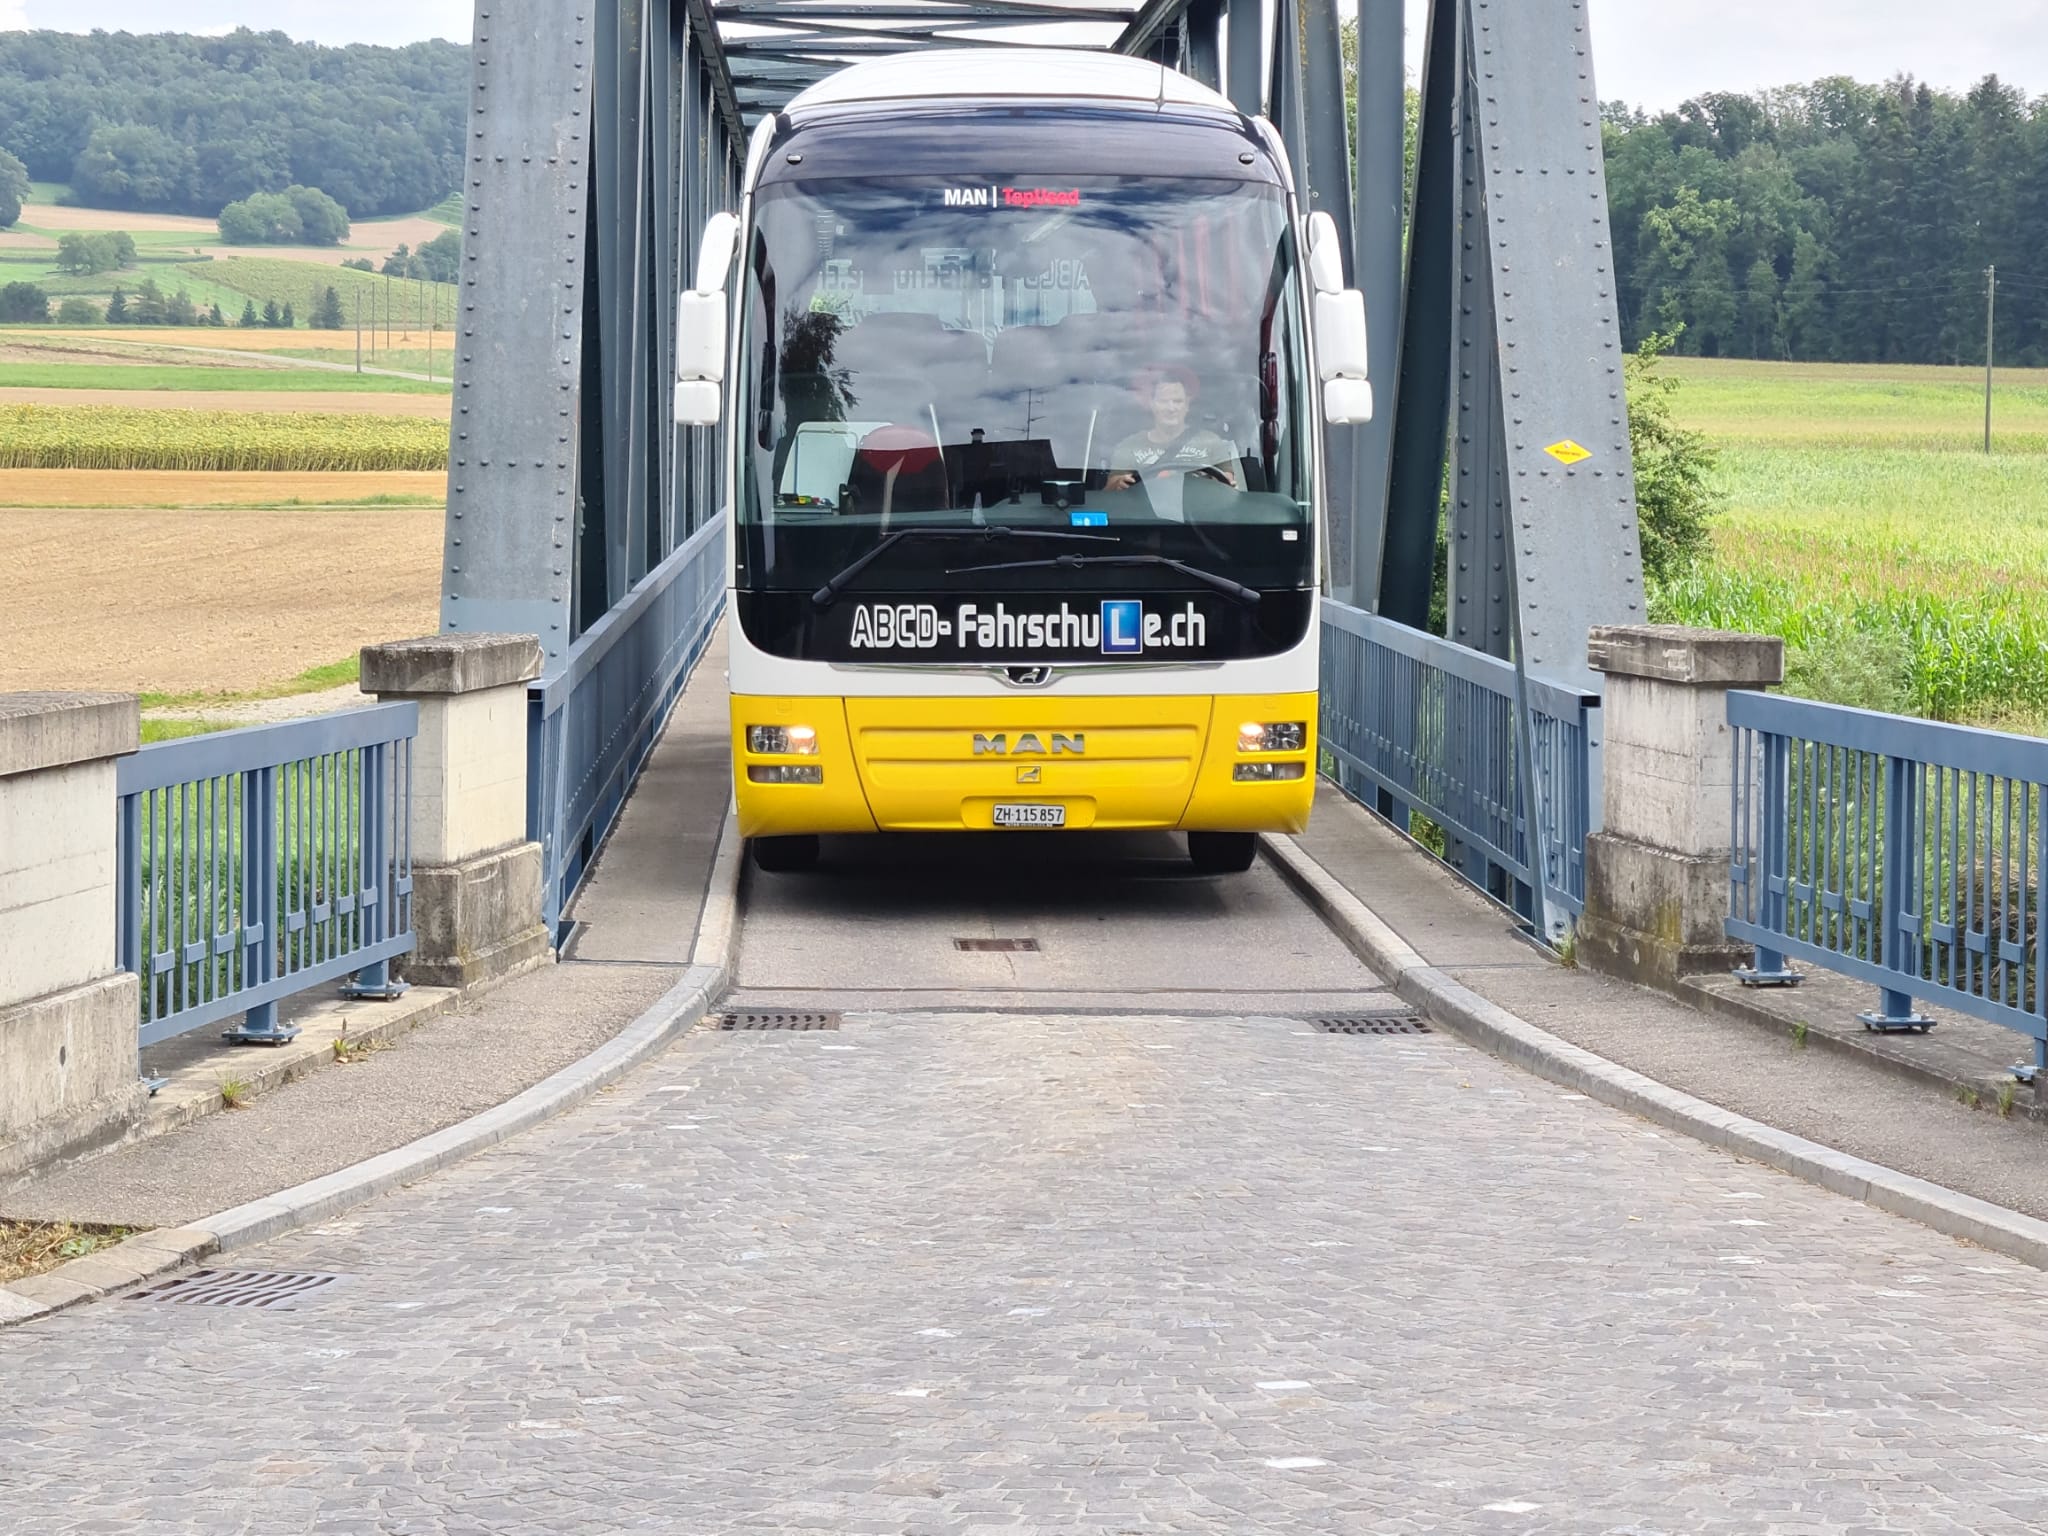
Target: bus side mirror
(700, 327)
(1343, 361)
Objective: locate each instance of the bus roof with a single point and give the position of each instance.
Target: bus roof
(1044, 73)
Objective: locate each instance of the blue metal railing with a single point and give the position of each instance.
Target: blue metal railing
(1898, 852)
(259, 863)
(1419, 725)
(592, 724)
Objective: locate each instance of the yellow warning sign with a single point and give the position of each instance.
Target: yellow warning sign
(1568, 452)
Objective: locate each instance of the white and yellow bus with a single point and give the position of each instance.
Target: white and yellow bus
(1028, 358)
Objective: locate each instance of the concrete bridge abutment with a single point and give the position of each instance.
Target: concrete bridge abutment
(1657, 874)
(68, 1013)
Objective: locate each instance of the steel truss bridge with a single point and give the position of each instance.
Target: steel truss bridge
(603, 135)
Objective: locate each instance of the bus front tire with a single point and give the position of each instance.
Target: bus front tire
(1223, 853)
(786, 855)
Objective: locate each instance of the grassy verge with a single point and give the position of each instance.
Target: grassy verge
(332, 674)
(31, 1247)
(1905, 569)
(225, 378)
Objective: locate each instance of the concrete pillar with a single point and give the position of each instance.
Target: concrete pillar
(476, 878)
(68, 1015)
(1657, 875)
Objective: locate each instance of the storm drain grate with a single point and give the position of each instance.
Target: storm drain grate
(778, 1019)
(270, 1290)
(1388, 1022)
(997, 946)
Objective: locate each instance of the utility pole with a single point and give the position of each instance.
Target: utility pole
(1990, 323)
(359, 330)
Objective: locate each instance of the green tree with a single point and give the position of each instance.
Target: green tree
(13, 188)
(328, 316)
(440, 259)
(117, 308)
(324, 220)
(180, 310)
(215, 317)
(23, 302)
(133, 165)
(285, 319)
(150, 306)
(77, 311)
(268, 218)
(1675, 499)
(399, 262)
(272, 318)
(1762, 335)
(248, 322)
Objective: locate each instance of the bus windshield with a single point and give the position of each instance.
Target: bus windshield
(1118, 358)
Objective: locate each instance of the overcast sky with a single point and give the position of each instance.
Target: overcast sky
(1652, 52)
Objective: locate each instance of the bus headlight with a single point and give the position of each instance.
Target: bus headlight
(785, 773)
(782, 740)
(1254, 737)
(1266, 773)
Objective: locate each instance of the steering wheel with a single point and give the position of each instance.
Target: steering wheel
(1216, 474)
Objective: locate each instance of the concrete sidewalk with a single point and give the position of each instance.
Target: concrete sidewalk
(1853, 1101)
(647, 891)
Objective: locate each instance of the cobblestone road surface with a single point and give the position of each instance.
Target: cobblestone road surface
(1006, 1274)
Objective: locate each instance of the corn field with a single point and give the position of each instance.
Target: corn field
(124, 437)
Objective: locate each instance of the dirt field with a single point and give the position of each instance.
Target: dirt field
(28, 488)
(56, 216)
(187, 601)
(350, 403)
(232, 338)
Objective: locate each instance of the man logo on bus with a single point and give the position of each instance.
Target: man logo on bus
(1123, 628)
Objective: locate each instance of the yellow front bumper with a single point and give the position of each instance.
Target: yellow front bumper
(922, 764)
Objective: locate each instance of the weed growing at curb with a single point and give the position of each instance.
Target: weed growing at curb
(31, 1247)
(2007, 1091)
(1799, 1032)
(349, 1051)
(234, 1093)
(1967, 1096)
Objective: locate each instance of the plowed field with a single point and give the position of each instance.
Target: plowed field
(186, 601)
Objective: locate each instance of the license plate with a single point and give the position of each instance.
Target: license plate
(1031, 816)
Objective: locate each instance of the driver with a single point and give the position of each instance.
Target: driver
(1169, 443)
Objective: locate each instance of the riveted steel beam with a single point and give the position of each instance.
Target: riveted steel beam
(1576, 560)
(709, 51)
(509, 548)
(1245, 61)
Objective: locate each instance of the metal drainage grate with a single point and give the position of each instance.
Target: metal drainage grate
(269, 1290)
(778, 1020)
(997, 946)
(1384, 1022)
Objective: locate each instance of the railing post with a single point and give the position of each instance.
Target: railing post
(1901, 884)
(1770, 968)
(69, 1015)
(1657, 873)
(259, 1025)
(374, 982)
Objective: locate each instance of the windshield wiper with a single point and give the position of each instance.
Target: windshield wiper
(828, 594)
(1223, 584)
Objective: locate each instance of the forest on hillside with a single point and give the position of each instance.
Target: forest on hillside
(1835, 221)
(171, 123)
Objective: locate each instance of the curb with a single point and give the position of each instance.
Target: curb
(1464, 1013)
(677, 1011)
